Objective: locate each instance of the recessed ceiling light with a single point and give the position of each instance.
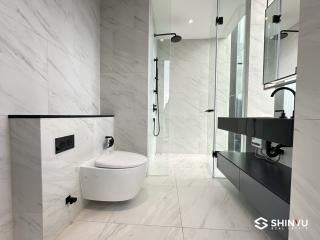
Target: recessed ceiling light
(190, 21)
(161, 40)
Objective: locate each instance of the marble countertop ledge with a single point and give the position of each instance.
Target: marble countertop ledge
(59, 116)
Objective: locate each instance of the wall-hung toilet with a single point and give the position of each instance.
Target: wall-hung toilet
(114, 176)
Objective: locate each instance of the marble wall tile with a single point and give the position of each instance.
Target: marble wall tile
(305, 189)
(123, 50)
(60, 178)
(36, 34)
(70, 29)
(125, 95)
(124, 71)
(60, 173)
(305, 197)
(73, 86)
(72, 25)
(190, 95)
(223, 90)
(132, 14)
(183, 121)
(87, 31)
(23, 65)
(6, 220)
(26, 178)
(308, 88)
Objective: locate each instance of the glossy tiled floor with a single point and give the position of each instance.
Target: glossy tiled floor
(184, 204)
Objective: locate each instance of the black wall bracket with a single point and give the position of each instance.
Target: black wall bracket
(276, 18)
(219, 21)
(215, 154)
(71, 200)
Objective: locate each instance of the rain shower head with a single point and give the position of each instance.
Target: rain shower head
(176, 38)
(283, 34)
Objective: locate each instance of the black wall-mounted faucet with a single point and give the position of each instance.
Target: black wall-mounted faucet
(289, 89)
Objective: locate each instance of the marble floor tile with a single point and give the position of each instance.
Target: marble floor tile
(96, 212)
(155, 205)
(139, 232)
(192, 169)
(160, 180)
(206, 208)
(6, 232)
(83, 231)
(208, 234)
(215, 205)
(160, 167)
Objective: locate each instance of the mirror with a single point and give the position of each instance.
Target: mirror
(281, 42)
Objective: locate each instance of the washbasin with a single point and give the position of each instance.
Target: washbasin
(278, 130)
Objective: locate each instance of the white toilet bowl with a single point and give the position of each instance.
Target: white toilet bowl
(115, 176)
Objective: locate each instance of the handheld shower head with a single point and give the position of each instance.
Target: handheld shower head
(176, 38)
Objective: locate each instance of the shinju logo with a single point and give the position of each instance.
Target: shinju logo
(278, 224)
(261, 223)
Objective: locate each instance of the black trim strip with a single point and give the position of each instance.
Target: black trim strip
(59, 116)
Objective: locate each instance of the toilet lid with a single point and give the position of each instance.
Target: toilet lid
(120, 159)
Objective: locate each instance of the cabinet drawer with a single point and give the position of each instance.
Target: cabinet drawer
(231, 172)
(269, 205)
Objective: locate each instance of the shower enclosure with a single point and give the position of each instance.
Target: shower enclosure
(202, 77)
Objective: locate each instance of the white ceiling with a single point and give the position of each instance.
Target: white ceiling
(173, 16)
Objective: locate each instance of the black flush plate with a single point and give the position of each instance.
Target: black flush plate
(64, 143)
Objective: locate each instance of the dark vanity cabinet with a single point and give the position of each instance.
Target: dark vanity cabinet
(265, 185)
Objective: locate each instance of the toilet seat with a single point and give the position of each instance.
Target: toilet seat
(120, 160)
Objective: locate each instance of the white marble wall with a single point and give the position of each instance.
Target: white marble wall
(223, 89)
(51, 49)
(60, 172)
(49, 64)
(42, 179)
(259, 102)
(184, 122)
(305, 188)
(124, 70)
(5, 182)
(185, 125)
(26, 178)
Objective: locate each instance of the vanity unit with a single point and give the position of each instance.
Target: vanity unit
(265, 185)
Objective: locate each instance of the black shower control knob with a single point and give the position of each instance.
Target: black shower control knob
(155, 107)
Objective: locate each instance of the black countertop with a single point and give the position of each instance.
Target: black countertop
(275, 177)
(276, 130)
(59, 116)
